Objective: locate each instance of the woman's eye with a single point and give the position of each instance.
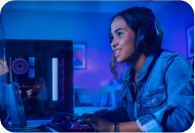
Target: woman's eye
(120, 34)
(111, 38)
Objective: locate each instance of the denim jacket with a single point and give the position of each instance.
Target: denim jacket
(165, 100)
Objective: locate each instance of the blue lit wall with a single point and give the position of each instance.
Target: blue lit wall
(81, 27)
(175, 17)
(88, 23)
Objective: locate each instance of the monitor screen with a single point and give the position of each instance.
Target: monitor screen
(44, 72)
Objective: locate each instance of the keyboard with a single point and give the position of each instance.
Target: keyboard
(66, 127)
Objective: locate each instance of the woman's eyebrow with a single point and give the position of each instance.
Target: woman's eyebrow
(118, 29)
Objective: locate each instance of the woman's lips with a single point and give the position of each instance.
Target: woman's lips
(117, 54)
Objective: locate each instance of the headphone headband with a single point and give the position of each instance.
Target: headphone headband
(147, 39)
(147, 11)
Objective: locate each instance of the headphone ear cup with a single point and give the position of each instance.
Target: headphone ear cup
(139, 45)
(147, 37)
(151, 37)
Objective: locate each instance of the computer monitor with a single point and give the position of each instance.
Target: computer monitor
(44, 71)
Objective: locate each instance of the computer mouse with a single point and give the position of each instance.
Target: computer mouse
(63, 117)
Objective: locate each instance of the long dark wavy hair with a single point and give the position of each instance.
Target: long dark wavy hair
(135, 17)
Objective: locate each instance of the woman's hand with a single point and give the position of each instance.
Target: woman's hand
(98, 123)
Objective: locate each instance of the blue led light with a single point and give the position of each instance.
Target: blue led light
(31, 72)
(55, 79)
(10, 69)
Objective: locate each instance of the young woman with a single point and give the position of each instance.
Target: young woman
(157, 87)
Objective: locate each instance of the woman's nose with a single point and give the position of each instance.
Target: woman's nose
(114, 44)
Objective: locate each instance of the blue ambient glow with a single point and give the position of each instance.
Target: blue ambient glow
(10, 69)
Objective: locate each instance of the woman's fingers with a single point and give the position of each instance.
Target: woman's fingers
(73, 125)
(97, 122)
(84, 114)
(83, 119)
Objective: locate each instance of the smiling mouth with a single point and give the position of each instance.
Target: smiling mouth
(117, 53)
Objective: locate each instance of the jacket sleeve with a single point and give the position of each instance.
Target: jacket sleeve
(178, 114)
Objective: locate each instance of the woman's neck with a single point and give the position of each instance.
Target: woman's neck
(137, 66)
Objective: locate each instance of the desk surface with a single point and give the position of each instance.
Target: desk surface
(31, 127)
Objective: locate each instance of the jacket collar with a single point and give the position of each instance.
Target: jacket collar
(130, 73)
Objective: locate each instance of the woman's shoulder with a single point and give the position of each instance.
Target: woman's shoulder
(168, 59)
(168, 56)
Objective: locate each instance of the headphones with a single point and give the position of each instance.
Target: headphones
(147, 35)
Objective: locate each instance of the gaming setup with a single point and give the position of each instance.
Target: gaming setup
(36, 85)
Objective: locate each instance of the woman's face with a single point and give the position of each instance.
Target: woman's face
(123, 41)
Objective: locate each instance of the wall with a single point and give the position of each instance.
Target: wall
(91, 27)
(82, 25)
(175, 17)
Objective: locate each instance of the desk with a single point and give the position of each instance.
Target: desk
(47, 129)
(30, 125)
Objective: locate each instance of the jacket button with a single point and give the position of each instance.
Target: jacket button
(138, 105)
(154, 100)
